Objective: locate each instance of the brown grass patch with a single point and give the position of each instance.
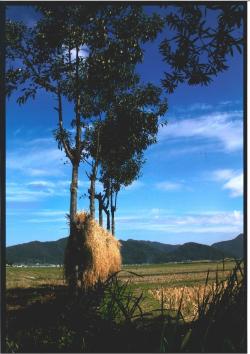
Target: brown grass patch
(175, 278)
(187, 299)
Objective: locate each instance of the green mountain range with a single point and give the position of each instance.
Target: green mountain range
(133, 251)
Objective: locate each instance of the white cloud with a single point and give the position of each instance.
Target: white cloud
(36, 158)
(49, 220)
(49, 212)
(235, 185)
(135, 185)
(33, 191)
(41, 184)
(224, 127)
(222, 175)
(157, 220)
(233, 181)
(199, 106)
(168, 186)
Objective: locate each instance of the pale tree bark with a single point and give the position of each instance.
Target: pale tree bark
(92, 197)
(78, 147)
(104, 207)
(73, 191)
(113, 210)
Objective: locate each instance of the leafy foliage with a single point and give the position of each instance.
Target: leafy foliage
(200, 39)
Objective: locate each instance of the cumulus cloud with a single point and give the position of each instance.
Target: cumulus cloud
(225, 128)
(232, 180)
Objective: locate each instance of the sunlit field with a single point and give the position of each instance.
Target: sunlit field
(146, 275)
(143, 278)
(166, 306)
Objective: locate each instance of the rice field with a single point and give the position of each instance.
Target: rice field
(154, 281)
(161, 305)
(187, 299)
(143, 276)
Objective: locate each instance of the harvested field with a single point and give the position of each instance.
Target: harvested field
(40, 311)
(186, 299)
(33, 276)
(142, 278)
(145, 275)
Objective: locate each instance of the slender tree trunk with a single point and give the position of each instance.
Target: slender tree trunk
(113, 209)
(92, 194)
(100, 215)
(92, 197)
(73, 191)
(100, 203)
(77, 152)
(113, 221)
(93, 175)
(108, 220)
(112, 212)
(99, 197)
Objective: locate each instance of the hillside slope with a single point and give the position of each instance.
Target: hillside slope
(192, 251)
(51, 252)
(235, 247)
(134, 251)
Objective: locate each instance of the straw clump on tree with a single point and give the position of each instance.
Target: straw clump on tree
(92, 253)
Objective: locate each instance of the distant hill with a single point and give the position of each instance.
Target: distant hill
(51, 252)
(133, 251)
(192, 251)
(235, 247)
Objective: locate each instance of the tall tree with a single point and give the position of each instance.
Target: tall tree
(116, 176)
(83, 53)
(130, 127)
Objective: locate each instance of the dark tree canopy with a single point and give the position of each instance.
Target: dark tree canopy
(198, 40)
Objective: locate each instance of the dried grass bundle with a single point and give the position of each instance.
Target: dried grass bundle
(92, 253)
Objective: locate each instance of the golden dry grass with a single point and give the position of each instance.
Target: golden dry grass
(185, 298)
(94, 250)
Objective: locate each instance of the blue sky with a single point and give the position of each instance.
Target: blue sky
(192, 182)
